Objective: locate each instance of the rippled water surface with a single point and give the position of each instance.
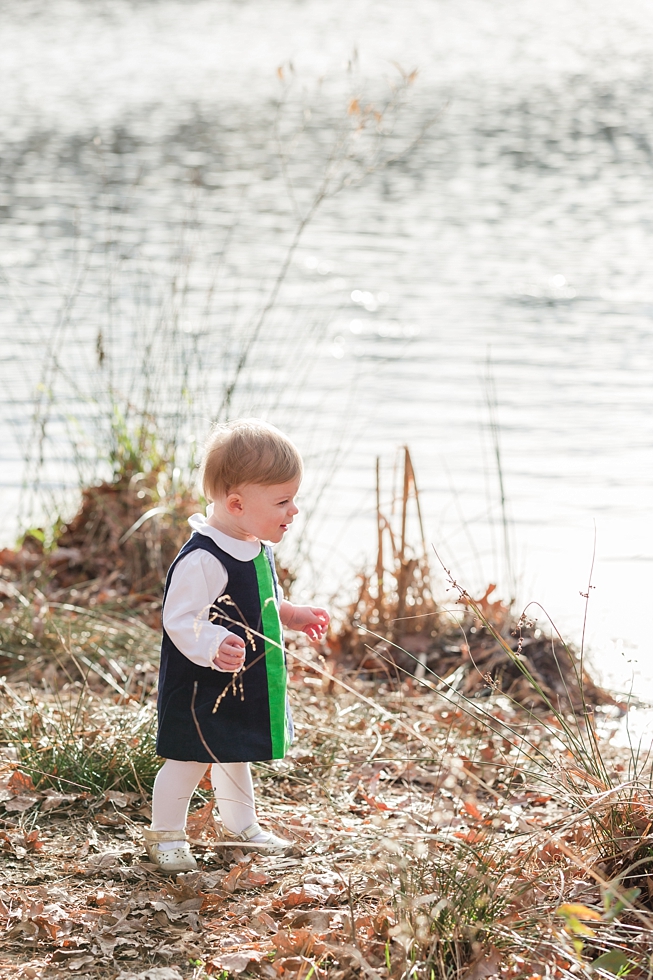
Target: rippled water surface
(504, 259)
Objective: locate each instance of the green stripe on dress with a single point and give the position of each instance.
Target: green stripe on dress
(274, 658)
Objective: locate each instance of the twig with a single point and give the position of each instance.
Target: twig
(197, 726)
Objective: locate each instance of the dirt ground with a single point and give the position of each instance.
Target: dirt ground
(419, 848)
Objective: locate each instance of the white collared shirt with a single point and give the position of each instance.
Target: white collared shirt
(197, 581)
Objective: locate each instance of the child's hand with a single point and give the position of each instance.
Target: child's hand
(311, 620)
(231, 654)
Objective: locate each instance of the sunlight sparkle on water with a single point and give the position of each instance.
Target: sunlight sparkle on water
(161, 167)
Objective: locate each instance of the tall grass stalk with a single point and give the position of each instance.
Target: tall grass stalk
(582, 741)
(492, 409)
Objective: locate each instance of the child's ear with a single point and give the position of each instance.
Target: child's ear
(234, 504)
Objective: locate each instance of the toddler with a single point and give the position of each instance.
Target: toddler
(222, 680)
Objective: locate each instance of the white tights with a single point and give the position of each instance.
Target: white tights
(176, 782)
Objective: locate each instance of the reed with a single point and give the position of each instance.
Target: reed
(475, 645)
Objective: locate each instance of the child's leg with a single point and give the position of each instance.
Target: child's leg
(174, 785)
(234, 794)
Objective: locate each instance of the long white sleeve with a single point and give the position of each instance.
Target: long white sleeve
(197, 581)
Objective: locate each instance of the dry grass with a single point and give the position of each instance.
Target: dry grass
(435, 838)
(116, 549)
(445, 828)
(396, 625)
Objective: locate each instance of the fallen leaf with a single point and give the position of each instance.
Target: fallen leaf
(300, 942)
(30, 841)
(53, 799)
(230, 882)
(101, 898)
(373, 801)
(110, 819)
(471, 808)
(326, 878)
(105, 859)
(254, 879)
(352, 957)
(486, 965)
(550, 852)
(318, 920)
(237, 962)
(200, 821)
(186, 888)
(120, 799)
(614, 961)
(19, 782)
(579, 911)
(154, 973)
(289, 966)
(68, 955)
(264, 920)
(19, 804)
(211, 902)
(205, 782)
(176, 912)
(305, 895)
(471, 836)
(373, 925)
(82, 961)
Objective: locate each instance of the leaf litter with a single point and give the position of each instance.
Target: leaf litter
(451, 813)
(408, 850)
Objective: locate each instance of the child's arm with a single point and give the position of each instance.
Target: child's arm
(312, 620)
(196, 581)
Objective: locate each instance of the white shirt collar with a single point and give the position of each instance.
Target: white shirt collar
(236, 547)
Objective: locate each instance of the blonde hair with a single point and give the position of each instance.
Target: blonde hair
(247, 451)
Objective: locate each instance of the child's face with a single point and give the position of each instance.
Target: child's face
(263, 512)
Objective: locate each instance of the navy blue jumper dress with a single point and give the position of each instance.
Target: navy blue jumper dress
(241, 719)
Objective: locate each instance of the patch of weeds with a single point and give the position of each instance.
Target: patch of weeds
(82, 741)
(449, 902)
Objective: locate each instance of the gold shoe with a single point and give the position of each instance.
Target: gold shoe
(171, 862)
(270, 844)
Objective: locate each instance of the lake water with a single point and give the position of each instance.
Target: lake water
(498, 269)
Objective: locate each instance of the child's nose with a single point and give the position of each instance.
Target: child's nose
(294, 509)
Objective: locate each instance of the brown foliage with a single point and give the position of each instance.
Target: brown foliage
(396, 626)
(120, 543)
